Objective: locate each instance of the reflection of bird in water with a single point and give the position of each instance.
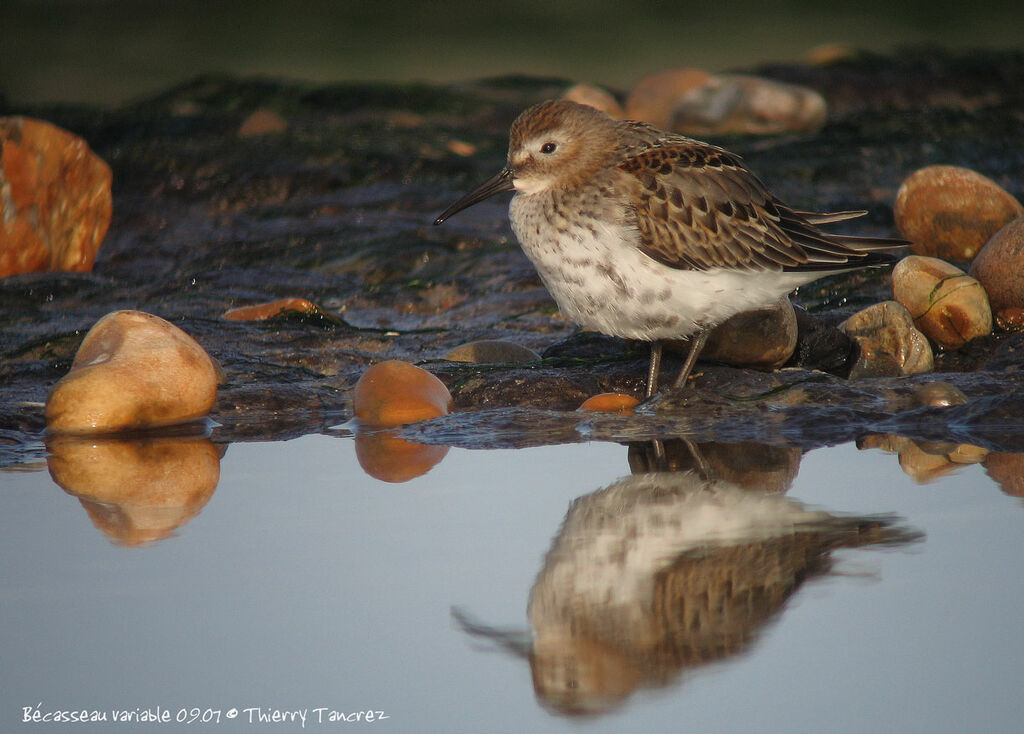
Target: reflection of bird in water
(662, 572)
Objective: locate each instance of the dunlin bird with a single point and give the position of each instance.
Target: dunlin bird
(643, 234)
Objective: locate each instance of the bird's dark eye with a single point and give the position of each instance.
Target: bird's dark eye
(548, 148)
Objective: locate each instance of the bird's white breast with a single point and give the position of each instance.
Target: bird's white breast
(599, 278)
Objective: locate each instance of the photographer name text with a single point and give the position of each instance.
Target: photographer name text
(256, 715)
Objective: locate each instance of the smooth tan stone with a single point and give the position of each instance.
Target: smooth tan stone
(999, 267)
(487, 351)
(394, 392)
(654, 98)
(763, 338)
(136, 490)
(55, 200)
(949, 306)
(596, 97)
(739, 103)
(133, 371)
(951, 212)
(888, 343)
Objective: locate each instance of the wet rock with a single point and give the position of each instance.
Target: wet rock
(596, 97)
(938, 395)
(386, 457)
(999, 267)
(262, 311)
(654, 98)
(949, 306)
(133, 371)
(764, 338)
(262, 122)
(56, 201)
(394, 392)
(728, 104)
(491, 350)
(951, 212)
(609, 402)
(887, 342)
(1010, 319)
(820, 345)
(140, 490)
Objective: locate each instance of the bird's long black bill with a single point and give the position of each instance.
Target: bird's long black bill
(501, 182)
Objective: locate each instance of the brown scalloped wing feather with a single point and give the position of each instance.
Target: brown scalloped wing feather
(696, 207)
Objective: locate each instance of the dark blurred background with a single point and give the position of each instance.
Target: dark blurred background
(110, 51)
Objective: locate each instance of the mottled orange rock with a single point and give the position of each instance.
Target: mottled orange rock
(947, 304)
(133, 371)
(951, 212)
(136, 490)
(389, 458)
(56, 202)
(394, 392)
(610, 402)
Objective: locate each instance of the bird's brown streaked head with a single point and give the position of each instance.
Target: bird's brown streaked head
(554, 144)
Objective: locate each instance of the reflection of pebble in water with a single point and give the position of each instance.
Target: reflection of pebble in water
(136, 490)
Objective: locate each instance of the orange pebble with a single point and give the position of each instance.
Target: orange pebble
(261, 311)
(391, 459)
(610, 402)
(395, 392)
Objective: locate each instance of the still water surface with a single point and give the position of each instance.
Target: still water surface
(521, 590)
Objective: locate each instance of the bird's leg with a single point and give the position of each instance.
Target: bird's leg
(696, 345)
(653, 369)
(703, 467)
